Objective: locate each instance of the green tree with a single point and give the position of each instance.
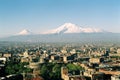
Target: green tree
(14, 68)
(51, 71)
(56, 71)
(73, 67)
(44, 71)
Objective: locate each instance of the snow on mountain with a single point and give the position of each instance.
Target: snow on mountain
(24, 32)
(72, 28)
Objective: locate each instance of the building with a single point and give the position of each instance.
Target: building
(25, 59)
(96, 60)
(34, 65)
(3, 60)
(7, 55)
(98, 76)
(112, 72)
(115, 77)
(65, 75)
(25, 54)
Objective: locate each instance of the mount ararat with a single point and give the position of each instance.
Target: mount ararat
(65, 28)
(67, 33)
(72, 28)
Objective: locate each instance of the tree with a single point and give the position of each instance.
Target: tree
(73, 67)
(44, 71)
(16, 68)
(51, 71)
(56, 71)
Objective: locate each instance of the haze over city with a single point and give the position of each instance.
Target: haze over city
(42, 15)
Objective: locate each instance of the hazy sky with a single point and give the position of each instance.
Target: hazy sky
(42, 15)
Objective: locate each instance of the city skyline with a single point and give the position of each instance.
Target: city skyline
(43, 15)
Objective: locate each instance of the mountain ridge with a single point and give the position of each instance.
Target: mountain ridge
(71, 37)
(67, 33)
(64, 29)
(72, 28)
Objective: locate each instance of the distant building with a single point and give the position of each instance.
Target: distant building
(25, 54)
(118, 51)
(64, 51)
(73, 51)
(64, 72)
(65, 75)
(96, 60)
(34, 65)
(3, 60)
(89, 72)
(98, 76)
(112, 72)
(115, 77)
(41, 60)
(25, 59)
(7, 55)
(54, 57)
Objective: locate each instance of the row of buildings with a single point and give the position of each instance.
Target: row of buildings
(99, 62)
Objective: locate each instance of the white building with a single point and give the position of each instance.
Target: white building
(3, 59)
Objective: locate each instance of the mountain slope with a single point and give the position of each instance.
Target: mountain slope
(67, 33)
(24, 32)
(68, 38)
(72, 28)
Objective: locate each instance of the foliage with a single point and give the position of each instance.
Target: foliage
(47, 70)
(44, 71)
(57, 70)
(15, 68)
(51, 71)
(73, 67)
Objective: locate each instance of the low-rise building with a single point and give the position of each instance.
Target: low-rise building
(3, 60)
(96, 60)
(65, 75)
(115, 77)
(7, 55)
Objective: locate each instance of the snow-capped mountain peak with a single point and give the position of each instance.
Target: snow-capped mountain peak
(67, 28)
(72, 28)
(69, 25)
(24, 32)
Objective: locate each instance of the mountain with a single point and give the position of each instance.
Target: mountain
(24, 32)
(72, 28)
(67, 33)
(67, 38)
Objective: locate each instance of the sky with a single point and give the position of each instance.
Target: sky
(41, 15)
